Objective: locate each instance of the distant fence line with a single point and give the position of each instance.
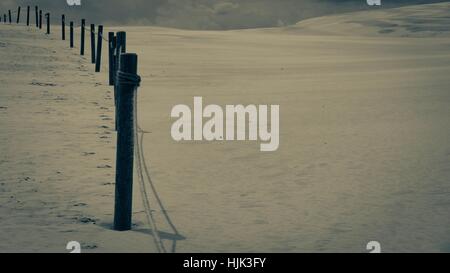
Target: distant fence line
(123, 76)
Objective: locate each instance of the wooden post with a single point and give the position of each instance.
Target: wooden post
(36, 8)
(71, 34)
(125, 146)
(112, 47)
(99, 48)
(18, 15)
(63, 27)
(83, 25)
(4, 18)
(93, 43)
(9, 13)
(47, 15)
(121, 47)
(40, 19)
(28, 15)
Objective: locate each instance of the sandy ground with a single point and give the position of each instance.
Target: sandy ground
(57, 149)
(364, 149)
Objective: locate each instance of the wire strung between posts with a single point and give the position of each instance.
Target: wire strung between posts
(143, 165)
(133, 79)
(101, 35)
(144, 195)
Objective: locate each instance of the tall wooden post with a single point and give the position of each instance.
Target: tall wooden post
(125, 145)
(40, 19)
(36, 8)
(47, 15)
(18, 15)
(71, 34)
(99, 49)
(63, 27)
(83, 25)
(9, 14)
(111, 47)
(28, 15)
(93, 43)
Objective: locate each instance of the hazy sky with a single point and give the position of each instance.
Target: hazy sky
(201, 14)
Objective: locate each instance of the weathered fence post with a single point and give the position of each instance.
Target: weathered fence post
(28, 15)
(36, 8)
(18, 15)
(9, 14)
(121, 47)
(63, 27)
(111, 47)
(83, 25)
(125, 142)
(93, 43)
(71, 34)
(99, 49)
(40, 19)
(47, 15)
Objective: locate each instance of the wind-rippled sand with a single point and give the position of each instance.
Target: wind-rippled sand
(364, 151)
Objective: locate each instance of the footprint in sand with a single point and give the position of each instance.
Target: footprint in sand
(87, 220)
(89, 246)
(36, 83)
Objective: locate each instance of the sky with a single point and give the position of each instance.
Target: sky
(201, 14)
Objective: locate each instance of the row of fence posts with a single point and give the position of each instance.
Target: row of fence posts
(38, 15)
(123, 76)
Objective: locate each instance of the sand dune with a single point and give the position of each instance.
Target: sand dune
(364, 138)
(430, 20)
